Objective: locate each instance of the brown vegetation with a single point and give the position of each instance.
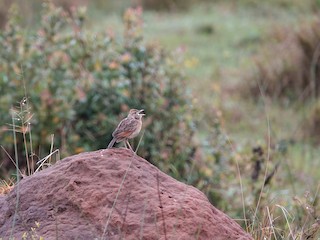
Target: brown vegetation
(289, 65)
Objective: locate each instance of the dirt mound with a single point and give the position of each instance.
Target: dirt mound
(111, 194)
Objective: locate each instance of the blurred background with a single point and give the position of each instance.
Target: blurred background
(231, 91)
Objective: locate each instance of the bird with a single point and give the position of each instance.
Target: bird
(128, 128)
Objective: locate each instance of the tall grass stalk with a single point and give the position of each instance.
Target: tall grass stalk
(313, 204)
(13, 161)
(24, 130)
(51, 147)
(142, 219)
(271, 223)
(26, 125)
(268, 153)
(28, 121)
(17, 173)
(240, 182)
(140, 139)
(43, 160)
(184, 194)
(116, 199)
(161, 207)
(285, 213)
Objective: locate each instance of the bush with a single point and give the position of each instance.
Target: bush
(78, 86)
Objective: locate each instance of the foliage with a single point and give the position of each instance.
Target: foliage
(78, 86)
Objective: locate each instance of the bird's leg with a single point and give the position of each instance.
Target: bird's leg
(127, 142)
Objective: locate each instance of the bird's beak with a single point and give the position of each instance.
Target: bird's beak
(141, 112)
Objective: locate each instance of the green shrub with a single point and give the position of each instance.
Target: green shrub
(79, 85)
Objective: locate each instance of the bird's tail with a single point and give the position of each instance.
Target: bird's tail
(111, 143)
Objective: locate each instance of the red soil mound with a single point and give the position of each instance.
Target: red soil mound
(111, 194)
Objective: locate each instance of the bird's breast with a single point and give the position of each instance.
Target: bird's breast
(137, 130)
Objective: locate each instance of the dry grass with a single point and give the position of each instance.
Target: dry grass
(6, 186)
(288, 66)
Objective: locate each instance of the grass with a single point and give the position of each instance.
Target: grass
(220, 41)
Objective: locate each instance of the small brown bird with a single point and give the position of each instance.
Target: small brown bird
(128, 128)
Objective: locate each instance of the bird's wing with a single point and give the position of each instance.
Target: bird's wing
(120, 126)
(125, 128)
